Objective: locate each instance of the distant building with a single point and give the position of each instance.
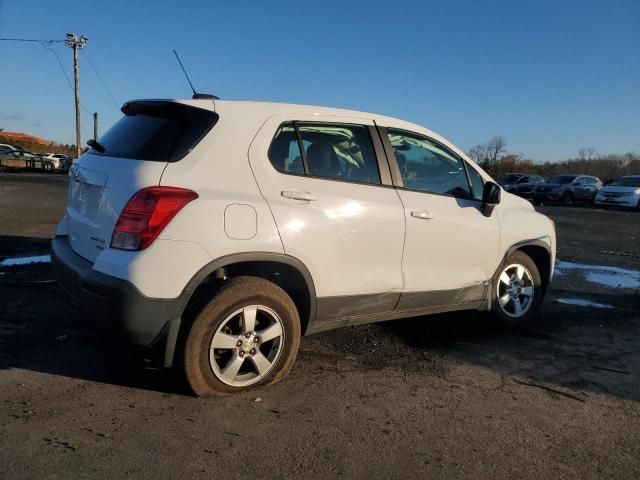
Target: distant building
(24, 137)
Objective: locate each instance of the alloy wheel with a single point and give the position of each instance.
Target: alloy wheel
(515, 291)
(246, 345)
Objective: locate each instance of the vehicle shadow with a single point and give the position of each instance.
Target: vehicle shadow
(567, 349)
(41, 331)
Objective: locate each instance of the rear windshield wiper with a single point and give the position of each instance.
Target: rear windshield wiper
(96, 146)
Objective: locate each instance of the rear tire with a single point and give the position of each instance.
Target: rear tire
(516, 291)
(220, 356)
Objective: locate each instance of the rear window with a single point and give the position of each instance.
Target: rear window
(156, 131)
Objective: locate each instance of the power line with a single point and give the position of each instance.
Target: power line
(115, 102)
(47, 44)
(66, 76)
(29, 40)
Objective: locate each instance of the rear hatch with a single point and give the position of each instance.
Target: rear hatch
(130, 156)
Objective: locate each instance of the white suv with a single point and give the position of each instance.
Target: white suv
(217, 233)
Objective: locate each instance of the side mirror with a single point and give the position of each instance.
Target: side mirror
(490, 198)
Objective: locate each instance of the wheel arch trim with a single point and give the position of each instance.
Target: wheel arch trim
(174, 330)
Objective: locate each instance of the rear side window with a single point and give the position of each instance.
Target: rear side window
(327, 150)
(156, 131)
(285, 153)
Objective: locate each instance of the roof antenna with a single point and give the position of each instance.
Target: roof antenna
(196, 95)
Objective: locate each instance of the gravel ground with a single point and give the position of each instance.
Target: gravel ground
(433, 397)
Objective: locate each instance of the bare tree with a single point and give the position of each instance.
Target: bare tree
(488, 154)
(587, 153)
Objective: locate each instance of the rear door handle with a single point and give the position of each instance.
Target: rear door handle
(422, 214)
(297, 195)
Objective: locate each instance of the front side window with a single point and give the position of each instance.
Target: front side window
(328, 150)
(477, 184)
(427, 166)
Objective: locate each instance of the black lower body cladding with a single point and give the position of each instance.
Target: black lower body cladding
(115, 305)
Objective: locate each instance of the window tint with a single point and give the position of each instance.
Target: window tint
(329, 150)
(158, 131)
(426, 166)
(339, 151)
(477, 184)
(563, 179)
(284, 152)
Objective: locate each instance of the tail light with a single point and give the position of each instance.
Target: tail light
(146, 214)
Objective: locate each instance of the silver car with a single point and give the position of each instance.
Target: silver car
(567, 189)
(622, 192)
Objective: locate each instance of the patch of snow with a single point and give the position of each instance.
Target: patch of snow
(614, 280)
(582, 303)
(9, 262)
(613, 277)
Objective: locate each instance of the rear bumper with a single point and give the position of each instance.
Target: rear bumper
(115, 305)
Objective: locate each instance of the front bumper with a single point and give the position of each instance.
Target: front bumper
(630, 201)
(115, 305)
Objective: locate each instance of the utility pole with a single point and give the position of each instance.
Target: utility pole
(72, 41)
(95, 125)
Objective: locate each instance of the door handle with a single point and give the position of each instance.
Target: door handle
(421, 214)
(297, 195)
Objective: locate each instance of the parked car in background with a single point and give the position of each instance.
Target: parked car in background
(508, 180)
(523, 187)
(19, 159)
(622, 192)
(23, 154)
(567, 189)
(5, 147)
(55, 161)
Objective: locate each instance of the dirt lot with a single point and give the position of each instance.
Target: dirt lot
(431, 397)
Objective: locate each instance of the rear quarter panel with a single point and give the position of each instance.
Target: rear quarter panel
(218, 170)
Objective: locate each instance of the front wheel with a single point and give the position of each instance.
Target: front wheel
(248, 335)
(516, 290)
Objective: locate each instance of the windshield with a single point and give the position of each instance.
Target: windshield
(626, 182)
(562, 179)
(156, 131)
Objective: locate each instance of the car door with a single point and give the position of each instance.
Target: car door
(592, 187)
(329, 189)
(580, 188)
(451, 248)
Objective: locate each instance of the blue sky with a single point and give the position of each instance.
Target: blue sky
(550, 76)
